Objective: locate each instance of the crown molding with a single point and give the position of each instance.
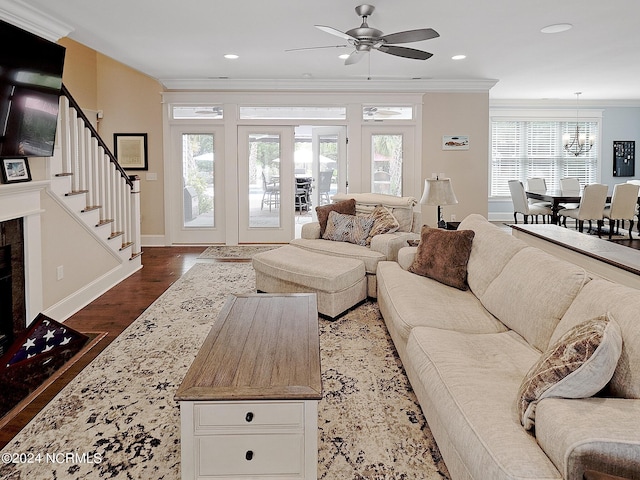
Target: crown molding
(360, 85)
(558, 103)
(28, 18)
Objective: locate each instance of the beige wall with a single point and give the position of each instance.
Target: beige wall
(81, 73)
(130, 103)
(457, 114)
(83, 259)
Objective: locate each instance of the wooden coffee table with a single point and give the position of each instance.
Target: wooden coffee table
(249, 402)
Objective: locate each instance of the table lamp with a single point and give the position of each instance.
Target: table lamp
(438, 192)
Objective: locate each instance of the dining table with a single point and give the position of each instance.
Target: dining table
(555, 198)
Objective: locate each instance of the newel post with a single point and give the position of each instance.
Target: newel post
(135, 214)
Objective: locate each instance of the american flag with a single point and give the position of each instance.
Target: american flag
(43, 336)
(33, 357)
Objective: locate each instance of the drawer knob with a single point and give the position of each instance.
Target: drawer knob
(248, 455)
(249, 416)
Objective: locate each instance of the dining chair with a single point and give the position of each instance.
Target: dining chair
(624, 203)
(570, 186)
(522, 206)
(538, 185)
(636, 182)
(591, 207)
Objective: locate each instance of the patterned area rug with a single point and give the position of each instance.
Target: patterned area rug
(117, 419)
(242, 252)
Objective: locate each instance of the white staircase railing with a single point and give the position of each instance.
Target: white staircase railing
(95, 172)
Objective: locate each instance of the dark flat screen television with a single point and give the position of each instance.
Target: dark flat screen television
(30, 83)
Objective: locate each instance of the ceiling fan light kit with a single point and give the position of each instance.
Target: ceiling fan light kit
(365, 38)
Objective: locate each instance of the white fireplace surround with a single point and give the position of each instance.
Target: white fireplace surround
(22, 200)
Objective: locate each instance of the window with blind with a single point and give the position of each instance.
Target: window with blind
(525, 149)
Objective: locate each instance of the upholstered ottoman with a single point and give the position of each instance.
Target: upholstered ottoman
(339, 283)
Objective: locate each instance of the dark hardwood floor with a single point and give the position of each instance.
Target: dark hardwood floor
(112, 313)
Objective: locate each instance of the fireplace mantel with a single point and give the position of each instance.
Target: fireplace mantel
(22, 200)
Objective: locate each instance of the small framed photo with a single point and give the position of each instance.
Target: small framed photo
(130, 149)
(455, 142)
(15, 169)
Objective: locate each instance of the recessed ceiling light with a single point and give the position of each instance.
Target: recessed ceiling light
(231, 56)
(344, 56)
(557, 28)
(458, 57)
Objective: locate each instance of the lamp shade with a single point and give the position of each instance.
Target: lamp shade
(438, 191)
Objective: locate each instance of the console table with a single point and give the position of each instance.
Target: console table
(249, 402)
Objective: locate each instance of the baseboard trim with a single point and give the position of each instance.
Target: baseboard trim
(84, 296)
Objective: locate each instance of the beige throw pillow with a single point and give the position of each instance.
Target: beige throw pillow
(578, 365)
(443, 255)
(348, 207)
(348, 228)
(384, 222)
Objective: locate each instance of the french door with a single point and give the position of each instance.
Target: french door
(266, 184)
(197, 213)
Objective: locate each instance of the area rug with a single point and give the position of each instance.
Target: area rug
(240, 252)
(117, 419)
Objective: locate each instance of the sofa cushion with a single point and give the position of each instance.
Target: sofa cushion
(348, 228)
(599, 297)
(384, 222)
(490, 252)
(443, 255)
(348, 207)
(407, 301)
(578, 365)
(471, 381)
(368, 256)
(533, 292)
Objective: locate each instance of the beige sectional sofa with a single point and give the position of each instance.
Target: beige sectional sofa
(383, 247)
(466, 354)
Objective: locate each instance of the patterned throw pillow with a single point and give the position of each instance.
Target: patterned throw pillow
(443, 255)
(348, 207)
(384, 222)
(578, 365)
(348, 228)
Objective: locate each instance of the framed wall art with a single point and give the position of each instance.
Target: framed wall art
(15, 169)
(455, 142)
(130, 149)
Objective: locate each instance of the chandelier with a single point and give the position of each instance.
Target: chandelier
(578, 143)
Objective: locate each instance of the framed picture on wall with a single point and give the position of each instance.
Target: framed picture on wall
(15, 169)
(130, 149)
(455, 142)
(624, 158)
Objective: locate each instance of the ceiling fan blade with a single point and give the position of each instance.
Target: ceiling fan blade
(411, 36)
(314, 48)
(335, 32)
(404, 52)
(355, 57)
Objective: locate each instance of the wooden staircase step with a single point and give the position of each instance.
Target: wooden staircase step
(115, 234)
(63, 174)
(76, 192)
(91, 208)
(126, 245)
(106, 221)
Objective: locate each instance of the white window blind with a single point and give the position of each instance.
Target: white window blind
(522, 149)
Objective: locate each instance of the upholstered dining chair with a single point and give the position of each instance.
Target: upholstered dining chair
(570, 186)
(594, 198)
(522, 206)
(538, 185)
(624, 202)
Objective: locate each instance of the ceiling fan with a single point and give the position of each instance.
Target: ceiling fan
(365, 38)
